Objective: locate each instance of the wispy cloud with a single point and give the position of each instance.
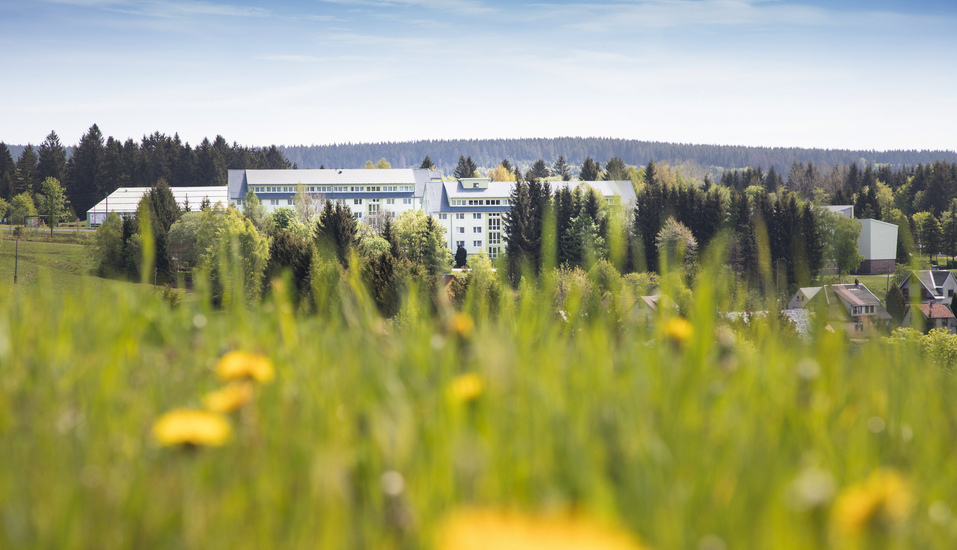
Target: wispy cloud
(455, 6)
(167, 8)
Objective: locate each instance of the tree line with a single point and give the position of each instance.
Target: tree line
(524, 152)
(96, 166)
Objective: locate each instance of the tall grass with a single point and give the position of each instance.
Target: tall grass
(741, 436)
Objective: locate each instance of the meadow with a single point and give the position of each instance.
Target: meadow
(508, 424)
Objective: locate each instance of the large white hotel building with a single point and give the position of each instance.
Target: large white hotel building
(470, 209)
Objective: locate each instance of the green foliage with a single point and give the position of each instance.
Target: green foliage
(335, 232)
(52, 202)
(21, 207)
(540, 169)
(108, 245)
(465, 168)
(562, 169)
(461, 257)
(615, 170)
(237, 258)
(28, 178)
(184, 247)
(427, 163)
(4, 208)
(52, 159)
(676, 244)
(253, 209)
(841, 234)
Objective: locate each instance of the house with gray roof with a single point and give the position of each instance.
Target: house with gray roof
(852, 307)
(929, 285)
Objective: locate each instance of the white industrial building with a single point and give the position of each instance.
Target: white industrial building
(878, 244)
(124, 200)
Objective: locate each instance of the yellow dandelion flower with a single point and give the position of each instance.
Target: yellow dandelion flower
(884, 497)
(230, 398)
(241, 365)
(678, 329)
(192, 427)
(482, 529)
(462, 324)
(465, 387)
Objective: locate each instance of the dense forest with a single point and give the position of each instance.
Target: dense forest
(97, 166)
(487, 153)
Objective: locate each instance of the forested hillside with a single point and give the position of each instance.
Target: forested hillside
(488, 153)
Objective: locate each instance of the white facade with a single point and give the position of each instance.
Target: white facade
(366, 192)
(878, 240)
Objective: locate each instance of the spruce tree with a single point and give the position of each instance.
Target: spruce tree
(462, 169)
(28, 179)
(52, 159)
(561, 168)
(8, 173)
(813, 240)
(427, 164)
(540, 169)
(616, 170)
(84, 172)
(590, 170)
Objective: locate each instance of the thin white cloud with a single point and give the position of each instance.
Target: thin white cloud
(454, 6)
(167, 8)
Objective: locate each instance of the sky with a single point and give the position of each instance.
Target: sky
(854, 74)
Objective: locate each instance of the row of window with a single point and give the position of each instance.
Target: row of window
(476, 244)
(478, 202)
(335, 188)
(475, 216)
(857, 310)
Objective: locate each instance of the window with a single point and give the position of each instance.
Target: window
(459, 243)
(476, 215)
(359, 215)
(274, 202)
(373, 206)
(373, 200)
(461, 229)
(493, 251)
(390, 201)
(494, 224)
(494, 238)
(406, 201)
(477, 244)
(460, 216)
(288, 202)
(443, 216)
(493, 202)
(476, 230)
(357, 201)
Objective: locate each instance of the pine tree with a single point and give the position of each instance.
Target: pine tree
(773, 180)
(427, 164)
(336, 232)
(564, 212)
(52, 159)
(210, 165)
(561, 168)
(590, 170)
(28, 179)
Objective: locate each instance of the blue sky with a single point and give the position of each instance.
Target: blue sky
(858, 74)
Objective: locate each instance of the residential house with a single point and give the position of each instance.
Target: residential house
(852, 307)
(926, 286)
(929, 316)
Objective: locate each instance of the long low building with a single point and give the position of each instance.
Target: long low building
(124, 200)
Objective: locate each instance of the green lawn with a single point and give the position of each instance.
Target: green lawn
(57, 267)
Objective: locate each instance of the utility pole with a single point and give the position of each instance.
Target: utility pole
(16, 257)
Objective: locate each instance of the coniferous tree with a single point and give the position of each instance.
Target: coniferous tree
(590, 170)
(896, 304)
(649, 207)
(336, 231)
(564, 212)
(616, 170)
(52, 159)
(813, 240)
(84, 174)
(465, 168)
(28, 179)
(507, 165)
(8, 173)
(427, 164)
(540, 169)
(561, 168)
(773, 180)
(210, 165)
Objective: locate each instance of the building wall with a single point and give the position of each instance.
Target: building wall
(875, 267)
(878, 240)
